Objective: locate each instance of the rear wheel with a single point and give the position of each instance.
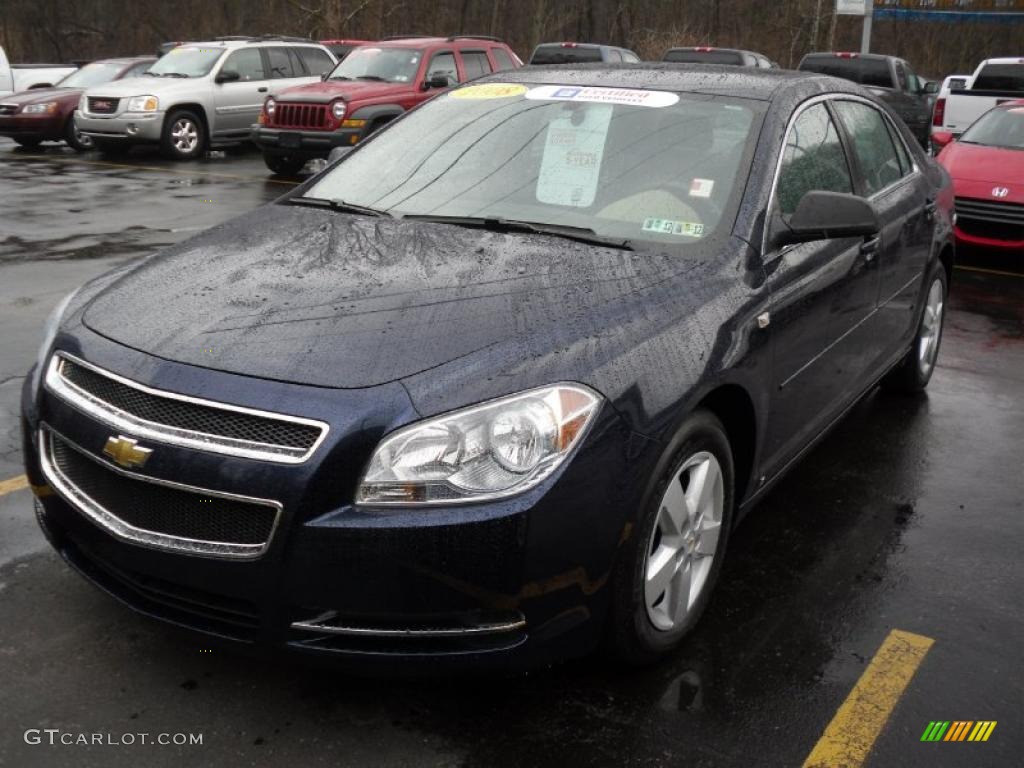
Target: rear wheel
(184, 136)
(669, 567)
(76, 140)
(915, 371)
(284, 165)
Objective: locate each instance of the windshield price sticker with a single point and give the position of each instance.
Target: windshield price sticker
(669, 227)
(489, 91)
(598, 95)
(573, 153)
(701, 187)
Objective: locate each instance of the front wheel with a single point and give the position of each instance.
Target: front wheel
(76, 140)
(670, 564)
(915, 371)
(284, 165)
(184, 136)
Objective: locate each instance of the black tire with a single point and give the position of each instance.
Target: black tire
(911, 375)
(284, 165)
(28, 143)
(75, 140)
(184, 135)
(633, 636)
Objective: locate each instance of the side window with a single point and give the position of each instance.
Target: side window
(280, 65)
(475, 63)
(813, 159)
(906, 164)
(316, 61)
(872, 144)
(614, 56)
(247, 62)
(630, 57)
(913, 81)
(444, 64)
(901, 76)
(502, 59)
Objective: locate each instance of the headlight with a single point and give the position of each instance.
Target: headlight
(489, 451)
(45, 108)
(269, 106)
(338, 110)
(49, 334)
(143, 104)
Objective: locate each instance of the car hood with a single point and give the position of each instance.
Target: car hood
(349, 90)
(38, 95)
(327, 299)
(973, 162)
(138, 86)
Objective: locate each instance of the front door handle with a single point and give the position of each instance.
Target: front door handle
(262, 89)
(869, 248)
(930, 208)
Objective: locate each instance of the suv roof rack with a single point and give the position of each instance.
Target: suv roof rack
(261, 38)
(407, 37)
(492, 38)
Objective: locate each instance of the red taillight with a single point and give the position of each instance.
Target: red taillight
(847, 55)
(570, 45)
(939, 115)
(704, 49)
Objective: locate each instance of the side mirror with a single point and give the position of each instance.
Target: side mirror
(942, 138)
(826, 215)
(931, 87)
(436, 80)
(337, 153)
(227, 76)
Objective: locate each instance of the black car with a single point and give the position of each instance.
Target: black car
(702, 54)
(500, 382)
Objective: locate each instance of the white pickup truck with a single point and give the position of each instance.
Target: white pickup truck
(23, 77)
(993, 82)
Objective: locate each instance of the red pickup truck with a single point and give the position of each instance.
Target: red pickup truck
(373, 85)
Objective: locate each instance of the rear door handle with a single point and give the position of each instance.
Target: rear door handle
(262, 90)
(869, 248)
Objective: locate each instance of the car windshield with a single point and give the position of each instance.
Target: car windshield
(565, 54)
(1001, 127)
(392, 65)
(187, 61)
(873, 72)
(92, 74)
(704, 57)
(622, 164)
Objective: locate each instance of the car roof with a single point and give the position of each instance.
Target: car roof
(1004, 60)
(849, 55)
(455, 41)
(710, 79)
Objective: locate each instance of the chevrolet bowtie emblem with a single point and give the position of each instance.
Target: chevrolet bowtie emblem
(126, 451)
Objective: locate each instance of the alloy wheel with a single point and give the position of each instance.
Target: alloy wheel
(931, 328)
(184, 135)
(684, 541)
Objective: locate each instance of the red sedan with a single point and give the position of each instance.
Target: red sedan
(987, 166)
(45, 114)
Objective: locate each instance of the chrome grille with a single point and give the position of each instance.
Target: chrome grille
(317, 116)
(182, 420)
(101, 105)
(157, 513)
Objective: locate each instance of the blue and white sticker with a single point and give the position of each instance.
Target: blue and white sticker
(593, 94)
(669, 227)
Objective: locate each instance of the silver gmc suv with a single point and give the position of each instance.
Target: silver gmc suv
(198, 95)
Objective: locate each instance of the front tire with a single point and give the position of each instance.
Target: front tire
(184, 136)
(77, 141)
(915, 370)
(284, 165)
(668, 569)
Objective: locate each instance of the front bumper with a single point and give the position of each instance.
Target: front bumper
(299, 143)
(1014, 247)
(518, 582)
(127, 127)
(43, 127)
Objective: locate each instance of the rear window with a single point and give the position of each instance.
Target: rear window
(1000, 77)
(705, 57)
(871, 72)
(558, 54)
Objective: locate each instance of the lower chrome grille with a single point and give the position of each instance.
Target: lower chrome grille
(157, 513)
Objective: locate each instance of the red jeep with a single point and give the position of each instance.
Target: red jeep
(373, 85)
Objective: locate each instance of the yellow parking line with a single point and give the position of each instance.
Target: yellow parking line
(848, 739)
(988, 271)
(12, 485)
(134, 167)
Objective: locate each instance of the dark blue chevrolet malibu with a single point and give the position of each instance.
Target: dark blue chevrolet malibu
(497, 384)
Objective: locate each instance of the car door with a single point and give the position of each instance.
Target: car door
(889, 180)
(238, 102)
(822, 293)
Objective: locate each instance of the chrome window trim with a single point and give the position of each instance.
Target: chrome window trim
(203, 441)
(114, 525)
(803, 106)
(314, 625)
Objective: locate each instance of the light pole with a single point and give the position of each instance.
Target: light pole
(865, 40)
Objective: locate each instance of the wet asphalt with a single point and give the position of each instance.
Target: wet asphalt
(909, 516)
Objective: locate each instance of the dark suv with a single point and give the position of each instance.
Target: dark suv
(373, 85)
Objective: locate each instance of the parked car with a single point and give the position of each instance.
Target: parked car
(47, 114)
(370, 88)
(994, 81)
(987, 166)
(24, 77)
(197, 96)
(888, 77)
(499, 382)
(342, 48)
(581, 53)
(730, 56)
(949, 85)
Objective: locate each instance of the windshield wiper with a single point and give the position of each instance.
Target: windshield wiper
(340, 77)
(378, 78)
(175, 74)
(579, 234)
(337, 205)
(151, 74)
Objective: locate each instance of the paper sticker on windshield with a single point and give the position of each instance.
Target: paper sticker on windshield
(598, 95)
(669, 227)
(701, 187)
(489, 91)
(573, 152)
